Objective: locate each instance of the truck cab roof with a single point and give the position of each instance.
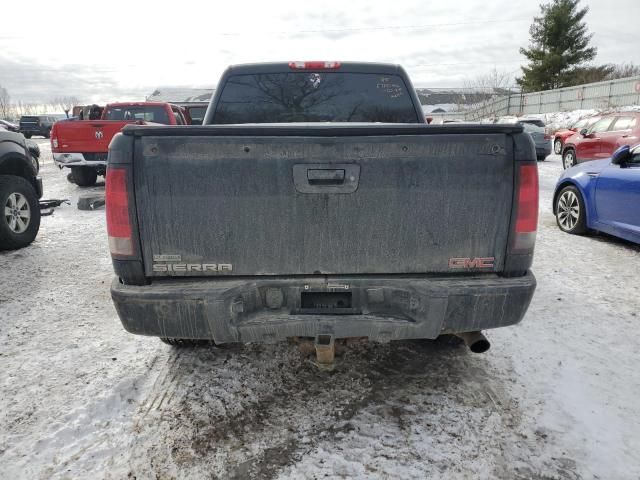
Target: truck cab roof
(318, 91)
(350, 67)
(138, 104)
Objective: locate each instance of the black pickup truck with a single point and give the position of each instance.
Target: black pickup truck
(20, 189)
(315, 202)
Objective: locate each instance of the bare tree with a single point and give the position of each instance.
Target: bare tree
(494, 82)
(5, 103)
(623, 70)
(65, 103)
(485, 89)
(23, 108)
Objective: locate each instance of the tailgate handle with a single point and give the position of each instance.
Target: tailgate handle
(325, 176)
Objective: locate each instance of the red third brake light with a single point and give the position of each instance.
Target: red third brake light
(314, 65)
(117, 207)
(527, 205)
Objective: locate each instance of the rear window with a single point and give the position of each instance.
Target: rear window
(29, 119)
(315, 97)
(197, 114)
(155, 114)
(531, 128)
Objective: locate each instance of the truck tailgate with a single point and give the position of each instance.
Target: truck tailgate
(298, 204)
(86, 136)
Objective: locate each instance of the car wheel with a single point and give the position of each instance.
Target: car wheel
(186, 342)
(84, 176)
(557, 146)
(570, 211)
(47, 134)
(20, 215)
(569, 158)
(36, 163)
(27, 135)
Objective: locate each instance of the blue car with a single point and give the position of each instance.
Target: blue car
(602, 195)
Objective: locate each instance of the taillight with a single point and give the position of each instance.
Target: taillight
(314, 65)
(547, 136)
(54, 137)
(527, 209)
(117, 210)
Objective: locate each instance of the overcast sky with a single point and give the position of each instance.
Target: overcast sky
(119, 50)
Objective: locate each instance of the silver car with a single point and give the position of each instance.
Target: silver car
(540, 138)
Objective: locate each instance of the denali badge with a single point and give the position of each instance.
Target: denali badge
(192, 267)
(167, 258)
(480, 262)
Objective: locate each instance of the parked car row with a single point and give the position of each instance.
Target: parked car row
(601, 195)
(601, 138)
(600, 188)
(561, 136)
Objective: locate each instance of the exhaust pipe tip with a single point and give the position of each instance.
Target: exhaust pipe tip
(476, 341)
(480, 346)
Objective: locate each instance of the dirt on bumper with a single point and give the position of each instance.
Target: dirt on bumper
(270, 309)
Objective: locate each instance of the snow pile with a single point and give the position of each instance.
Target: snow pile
(440, 108)
(555, 121)
(558, 120)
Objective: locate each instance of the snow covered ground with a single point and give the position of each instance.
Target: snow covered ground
(556, 397)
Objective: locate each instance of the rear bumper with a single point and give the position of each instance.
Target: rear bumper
(543, 151)
(255, 309)
(75, 160)
(34, 131)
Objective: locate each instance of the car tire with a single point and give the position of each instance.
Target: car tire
(47, 134)
(569, 158)
(36, 163)
(541, 158)
(84, 176)
(571, 215)
(27, 135)
(557, 146)
(186, 342)
(20, 227)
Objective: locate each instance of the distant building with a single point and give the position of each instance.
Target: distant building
(181, 95)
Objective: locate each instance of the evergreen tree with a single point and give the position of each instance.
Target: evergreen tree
(558, 48)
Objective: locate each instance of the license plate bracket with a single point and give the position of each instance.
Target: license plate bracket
(327, 303)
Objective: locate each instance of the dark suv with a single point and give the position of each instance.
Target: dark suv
(36, 125)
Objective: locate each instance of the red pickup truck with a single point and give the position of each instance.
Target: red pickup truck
(82, 145)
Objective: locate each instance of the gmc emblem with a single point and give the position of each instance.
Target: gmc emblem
(480, 262)
(99, 135)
